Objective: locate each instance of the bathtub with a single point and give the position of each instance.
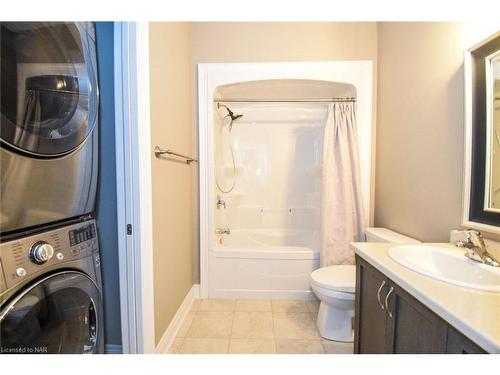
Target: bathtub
(262, 263)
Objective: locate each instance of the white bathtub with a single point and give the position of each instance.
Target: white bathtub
(261, 263)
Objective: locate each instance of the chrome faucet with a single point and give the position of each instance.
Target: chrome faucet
(223, 231)
(476, 249)
(220, 203)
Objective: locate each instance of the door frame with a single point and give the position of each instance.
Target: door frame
(133, 180)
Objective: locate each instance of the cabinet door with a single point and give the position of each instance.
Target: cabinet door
(411, 327)
(459, 344)
(370, 318)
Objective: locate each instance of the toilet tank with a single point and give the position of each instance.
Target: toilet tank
(387, 235)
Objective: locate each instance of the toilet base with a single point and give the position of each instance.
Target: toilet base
(335, 324)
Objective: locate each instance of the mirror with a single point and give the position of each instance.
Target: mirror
(492, 185)
(481, 206)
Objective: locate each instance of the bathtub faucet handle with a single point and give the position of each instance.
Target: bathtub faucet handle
(220, 203)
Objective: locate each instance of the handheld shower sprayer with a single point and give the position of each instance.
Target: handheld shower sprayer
(232, 118)
(229, 113)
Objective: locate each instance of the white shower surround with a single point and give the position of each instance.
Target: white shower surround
(213, 284)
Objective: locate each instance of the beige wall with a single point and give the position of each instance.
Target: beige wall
(419, 157)
(171, 121)
(272, 41)
(283, 41)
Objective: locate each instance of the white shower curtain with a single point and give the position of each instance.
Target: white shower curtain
(341, 200)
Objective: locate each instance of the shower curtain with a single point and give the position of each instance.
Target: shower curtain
(341, 200)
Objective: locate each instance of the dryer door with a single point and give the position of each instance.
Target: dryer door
(48, 86)
(61, 313)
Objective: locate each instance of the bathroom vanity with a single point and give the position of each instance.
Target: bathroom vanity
(401, 311)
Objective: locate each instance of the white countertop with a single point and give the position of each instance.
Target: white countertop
(474, 313)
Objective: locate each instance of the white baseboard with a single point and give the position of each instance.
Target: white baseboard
(113, 349)
(169, 335)
(196, 291)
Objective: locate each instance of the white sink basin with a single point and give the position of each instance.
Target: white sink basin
(447, 264)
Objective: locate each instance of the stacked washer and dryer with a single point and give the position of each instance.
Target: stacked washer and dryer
(50, 277)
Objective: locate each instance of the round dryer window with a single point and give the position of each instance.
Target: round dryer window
(48, 85)
(61, 313)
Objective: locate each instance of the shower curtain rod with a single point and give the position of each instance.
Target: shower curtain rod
(324, 100)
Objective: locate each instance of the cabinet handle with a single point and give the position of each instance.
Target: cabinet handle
(378, 295)
(387, 301)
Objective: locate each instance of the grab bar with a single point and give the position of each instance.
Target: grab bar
(159, 152)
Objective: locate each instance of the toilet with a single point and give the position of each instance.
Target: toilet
(335, 287)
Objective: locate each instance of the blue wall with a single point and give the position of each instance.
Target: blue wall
(106, 195)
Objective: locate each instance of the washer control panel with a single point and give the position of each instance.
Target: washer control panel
(28, 256)
(85, 233)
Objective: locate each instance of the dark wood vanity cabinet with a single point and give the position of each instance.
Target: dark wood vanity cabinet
(389, 320)
(412, 327)
(459, 344)
(370, 320)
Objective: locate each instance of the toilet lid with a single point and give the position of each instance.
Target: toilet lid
(341, 278)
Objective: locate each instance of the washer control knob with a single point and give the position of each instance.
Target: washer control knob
(20, 272)
(41, 252)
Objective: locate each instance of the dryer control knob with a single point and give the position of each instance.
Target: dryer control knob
(41, 252)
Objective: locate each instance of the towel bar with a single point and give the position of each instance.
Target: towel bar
(159, 152)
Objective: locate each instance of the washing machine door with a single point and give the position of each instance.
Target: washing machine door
(61, 313)
(48, 82)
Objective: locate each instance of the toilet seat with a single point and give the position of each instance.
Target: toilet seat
(340, 278)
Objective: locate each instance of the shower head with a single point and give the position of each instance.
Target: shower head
(229, 112)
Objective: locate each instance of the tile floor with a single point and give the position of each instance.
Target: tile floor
(221, 326)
